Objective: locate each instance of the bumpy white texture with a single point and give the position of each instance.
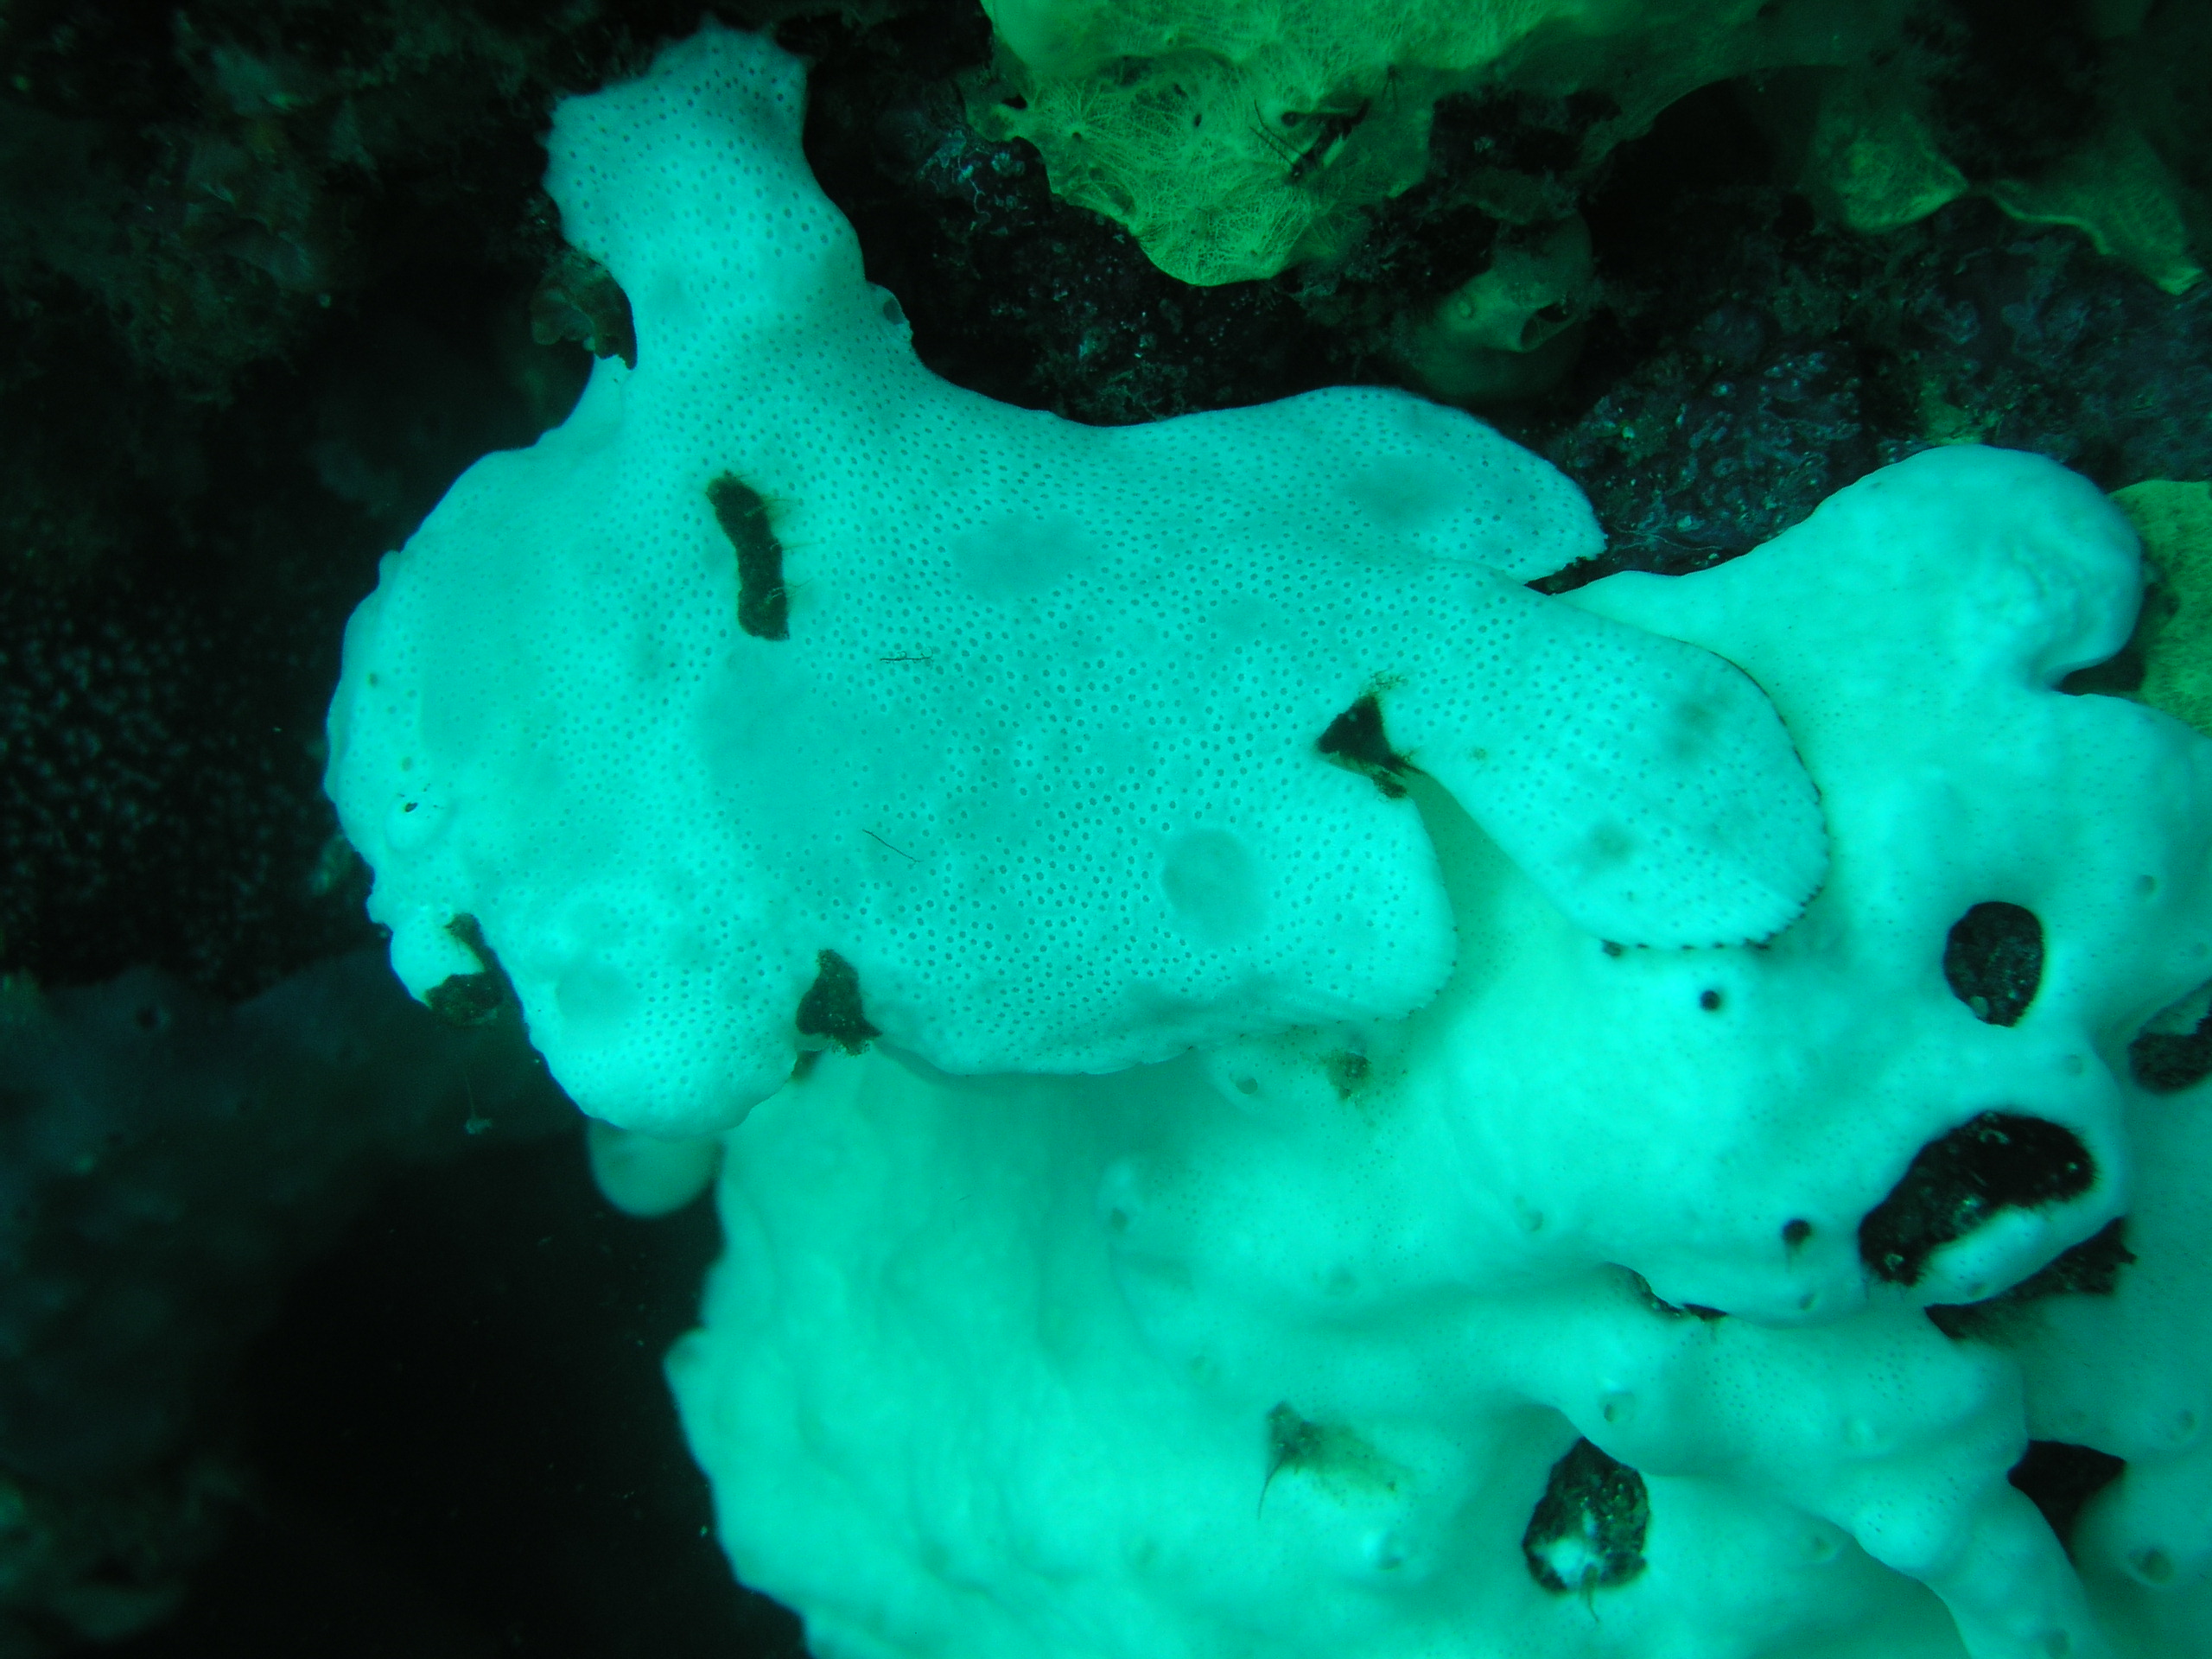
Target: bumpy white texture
(1911, 631)
(994, 1367)
(1039, 757)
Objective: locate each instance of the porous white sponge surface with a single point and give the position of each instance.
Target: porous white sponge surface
(1025, 728)
(1282, 1348)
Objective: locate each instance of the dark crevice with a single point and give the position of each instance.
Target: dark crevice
(2167, 1062)
(1991, 1162)
(1659, 1304)
(2090, 1269)
(2059, 1479)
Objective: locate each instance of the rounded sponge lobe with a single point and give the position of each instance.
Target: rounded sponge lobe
(788, 695)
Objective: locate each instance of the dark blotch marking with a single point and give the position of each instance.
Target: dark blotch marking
(1337, 1454)
(2090, 1269)
(763, 602)
(2059, 1479)
(1993, 961)
(1292, 1441)
(831, 1007)
(1347, 1070)
(1591, 1521)
(1991, 1161)
(1795, 1233)
(1709, 1000)
(1356, 740)
(467, 1000)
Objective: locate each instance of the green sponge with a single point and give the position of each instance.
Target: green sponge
(1235, 141)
